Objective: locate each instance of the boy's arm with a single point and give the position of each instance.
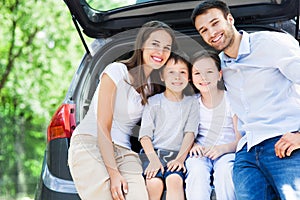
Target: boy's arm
(154, 162)
(178, 163)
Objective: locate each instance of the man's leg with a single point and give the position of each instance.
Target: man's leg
(249, 181)
(282, 173)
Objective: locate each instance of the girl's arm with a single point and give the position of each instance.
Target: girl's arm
(216, 151)
(106, 100)
(154, 162)
(186, 145)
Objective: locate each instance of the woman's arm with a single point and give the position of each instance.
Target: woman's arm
(106, 100)
(154, 162)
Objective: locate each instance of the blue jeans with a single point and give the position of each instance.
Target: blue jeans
(260, 175)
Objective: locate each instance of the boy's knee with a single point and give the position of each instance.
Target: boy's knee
(174, 180)
(154, 183)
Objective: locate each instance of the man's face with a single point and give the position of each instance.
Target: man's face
(216, 30)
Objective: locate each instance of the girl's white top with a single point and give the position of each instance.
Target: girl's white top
(216, 124)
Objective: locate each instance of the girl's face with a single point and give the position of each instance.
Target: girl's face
(157, 49)
(205, 75)
(175, 76)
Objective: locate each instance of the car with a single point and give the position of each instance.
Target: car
(114, 34)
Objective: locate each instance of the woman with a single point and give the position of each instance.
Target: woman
(101, 162)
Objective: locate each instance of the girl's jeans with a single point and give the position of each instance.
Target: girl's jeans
(260, 174)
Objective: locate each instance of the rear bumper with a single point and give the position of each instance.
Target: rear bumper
(54, 188)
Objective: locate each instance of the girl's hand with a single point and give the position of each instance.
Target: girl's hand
(175, 165)
(118, 186)
(214, 152)
(153, 167)
(197, 150)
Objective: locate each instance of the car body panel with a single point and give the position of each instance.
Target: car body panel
(107, 23)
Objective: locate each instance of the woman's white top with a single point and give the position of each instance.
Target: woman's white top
(127, 108)
(216, 124)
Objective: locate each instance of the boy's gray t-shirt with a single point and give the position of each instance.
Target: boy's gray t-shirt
(165, 122)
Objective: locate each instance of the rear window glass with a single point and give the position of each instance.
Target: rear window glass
(105, 5)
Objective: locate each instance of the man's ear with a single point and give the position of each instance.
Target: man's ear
(230, 19)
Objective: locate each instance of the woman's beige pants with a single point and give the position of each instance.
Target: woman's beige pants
(90, 175)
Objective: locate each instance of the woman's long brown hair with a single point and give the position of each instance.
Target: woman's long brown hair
(135, 62)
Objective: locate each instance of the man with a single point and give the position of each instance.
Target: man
(260, 71)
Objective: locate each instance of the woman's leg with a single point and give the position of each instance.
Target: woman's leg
(129, 165)
(87, 169)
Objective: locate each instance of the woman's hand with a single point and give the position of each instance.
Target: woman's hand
(197, 150)
(287, 144)
(118, 186)
(175, 165)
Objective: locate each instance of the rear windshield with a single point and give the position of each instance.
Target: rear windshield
(105, 5)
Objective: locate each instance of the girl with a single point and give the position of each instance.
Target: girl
(214, 148)
(169, 125)
(101, 161)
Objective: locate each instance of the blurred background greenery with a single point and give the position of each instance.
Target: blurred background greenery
(39, 53)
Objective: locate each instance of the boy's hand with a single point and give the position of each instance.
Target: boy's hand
(175, 165)
(153, 167)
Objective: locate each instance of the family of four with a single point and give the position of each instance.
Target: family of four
(230, 120)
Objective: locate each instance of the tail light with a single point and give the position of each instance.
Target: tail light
(62, 123)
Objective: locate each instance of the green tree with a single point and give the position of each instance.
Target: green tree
(35, 72)
(40, 51)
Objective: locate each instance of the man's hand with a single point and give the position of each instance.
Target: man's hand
(287, 144)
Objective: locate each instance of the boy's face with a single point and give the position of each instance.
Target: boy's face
(205, 75)
(175, 76)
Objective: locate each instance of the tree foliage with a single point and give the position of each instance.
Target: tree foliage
(40, 51)
(36, 67)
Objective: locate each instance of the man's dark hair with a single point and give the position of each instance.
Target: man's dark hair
(209, 4)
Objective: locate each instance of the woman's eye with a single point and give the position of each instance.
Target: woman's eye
(167, 48)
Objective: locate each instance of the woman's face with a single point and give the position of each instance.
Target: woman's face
(157, 49)
(205, 75)
(175, 76)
